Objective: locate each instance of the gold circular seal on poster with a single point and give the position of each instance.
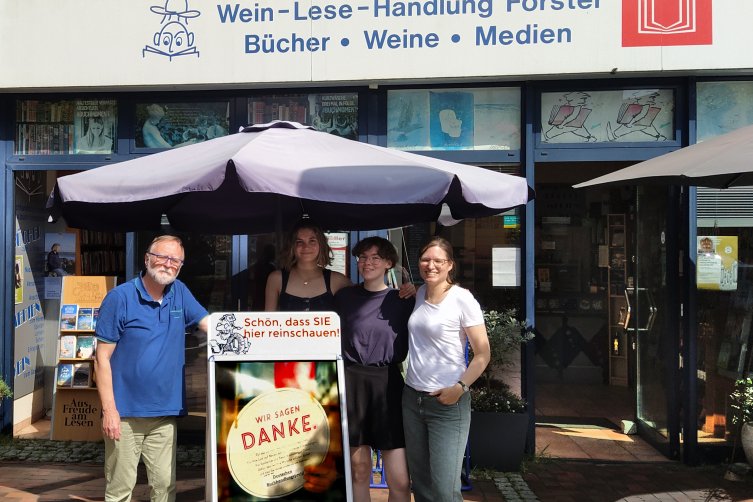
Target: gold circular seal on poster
(276, 434)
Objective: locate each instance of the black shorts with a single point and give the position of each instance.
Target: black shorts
(375, 415)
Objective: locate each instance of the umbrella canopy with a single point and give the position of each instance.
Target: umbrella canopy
(273, 174)
(721, 162)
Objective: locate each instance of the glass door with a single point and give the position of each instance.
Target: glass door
(654, 326)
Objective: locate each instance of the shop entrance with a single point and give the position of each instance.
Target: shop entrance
(654, 324)
(585, 358)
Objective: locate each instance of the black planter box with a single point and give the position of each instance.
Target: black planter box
(498, 440)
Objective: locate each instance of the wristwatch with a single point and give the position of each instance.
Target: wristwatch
(463, 386)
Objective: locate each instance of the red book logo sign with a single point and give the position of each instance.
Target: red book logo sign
(666, 22)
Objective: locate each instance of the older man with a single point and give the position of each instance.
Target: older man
(139, 368)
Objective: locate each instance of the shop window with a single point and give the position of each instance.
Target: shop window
(724, 277)
(62, 127)
(335, 113)
(454, 119)
(487, 256)
(161, 125)
(723, 107)
(607, 117)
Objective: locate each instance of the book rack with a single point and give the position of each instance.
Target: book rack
(77, 408)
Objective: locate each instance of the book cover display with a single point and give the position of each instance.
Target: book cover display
(67, 346)
(85, 346)
(85, 319)
(68, 317)
(82, 375)
(65, 375)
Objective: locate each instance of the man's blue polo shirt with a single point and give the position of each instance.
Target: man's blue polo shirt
(149, 359)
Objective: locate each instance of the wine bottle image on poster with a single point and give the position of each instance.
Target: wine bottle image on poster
(277, 422)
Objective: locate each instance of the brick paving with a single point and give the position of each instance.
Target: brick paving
(588, 481)
(41, 470)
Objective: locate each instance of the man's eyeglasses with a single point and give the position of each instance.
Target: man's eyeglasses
(376, 260)
(428, 261)
(160, 258)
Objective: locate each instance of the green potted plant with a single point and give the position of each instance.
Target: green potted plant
(5, 391)
(499, 418)
(741, 414)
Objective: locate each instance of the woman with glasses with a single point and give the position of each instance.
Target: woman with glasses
(374, 323)
(436, 402)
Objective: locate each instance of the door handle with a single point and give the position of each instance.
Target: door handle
(652, 309)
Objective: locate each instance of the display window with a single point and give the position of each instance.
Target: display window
(607, 117)
(333, 112)
(454, 119)
(63, 127)
(163, 125)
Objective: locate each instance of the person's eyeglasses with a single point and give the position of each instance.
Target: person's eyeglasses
(376, 260)
(160, 258)
(428, 261)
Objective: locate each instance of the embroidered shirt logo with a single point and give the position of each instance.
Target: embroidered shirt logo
(173, 38)
(666, 22)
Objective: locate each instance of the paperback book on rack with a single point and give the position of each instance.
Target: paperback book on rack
(85, 319)
(85, 346)
(68, 317)
(67, 346)
(65, 375)
(82, 375)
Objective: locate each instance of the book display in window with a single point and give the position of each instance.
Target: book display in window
(62, 127)
(77, 409)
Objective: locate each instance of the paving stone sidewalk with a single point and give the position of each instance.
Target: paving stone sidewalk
(85, 452)
(589, 481)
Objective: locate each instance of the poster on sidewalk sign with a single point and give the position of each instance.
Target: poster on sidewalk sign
(277, 420)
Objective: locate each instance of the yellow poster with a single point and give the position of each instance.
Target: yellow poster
(716, 262)
(19, 279)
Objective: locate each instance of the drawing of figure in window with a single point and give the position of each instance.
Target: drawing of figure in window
(569, 117)
(637, 115)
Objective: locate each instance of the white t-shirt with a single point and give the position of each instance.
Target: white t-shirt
(436, 350)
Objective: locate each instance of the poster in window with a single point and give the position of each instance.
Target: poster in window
(716, 262)
(171, 125)
(451, 119)
(19, 279)
(95, 126)
(338, 242)
(618, 116)
(333, 113)
(60, 254)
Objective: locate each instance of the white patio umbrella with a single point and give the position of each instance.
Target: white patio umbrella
(721, 162)
(272, 174)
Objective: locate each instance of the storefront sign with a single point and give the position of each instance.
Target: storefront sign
(164, 43)
(276, 409)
